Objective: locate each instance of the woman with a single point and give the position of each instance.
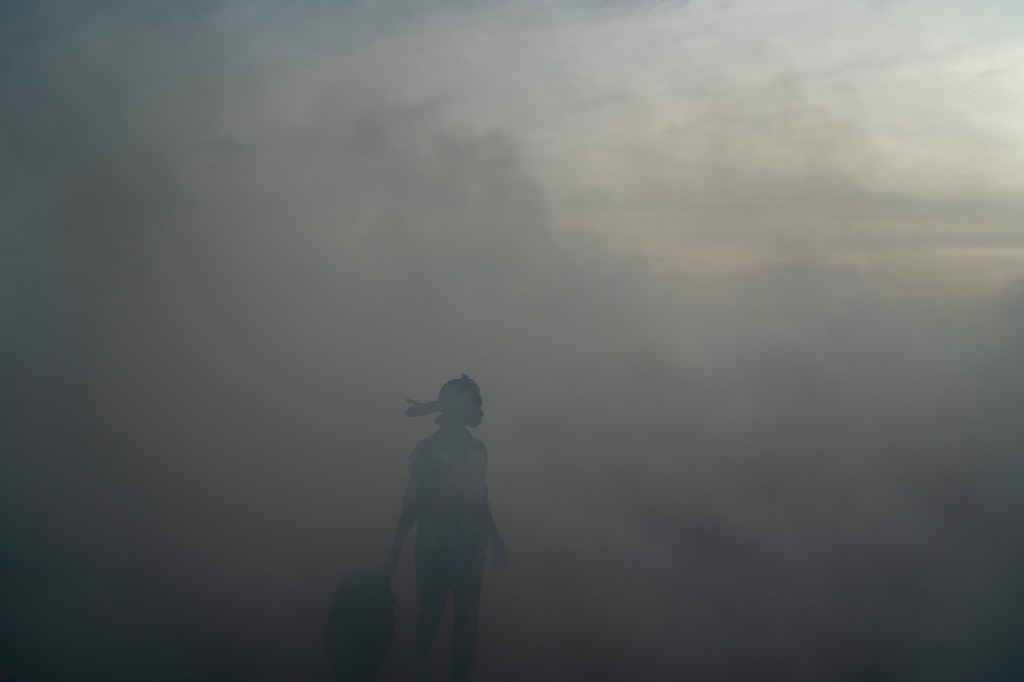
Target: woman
(447, 497)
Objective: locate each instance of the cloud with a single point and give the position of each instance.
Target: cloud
(746, 129)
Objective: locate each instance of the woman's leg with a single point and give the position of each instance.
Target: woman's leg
(466, 583)
(433, 581)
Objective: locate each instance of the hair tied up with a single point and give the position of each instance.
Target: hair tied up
(418, 409)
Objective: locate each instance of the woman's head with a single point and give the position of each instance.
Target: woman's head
(458, 401)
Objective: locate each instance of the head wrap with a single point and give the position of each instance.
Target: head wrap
(455, 396)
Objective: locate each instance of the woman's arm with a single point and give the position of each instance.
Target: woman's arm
(405, 521)
(500, 559)
(410, 511)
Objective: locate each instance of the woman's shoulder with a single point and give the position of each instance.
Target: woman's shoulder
(477, 443)
(430, 445)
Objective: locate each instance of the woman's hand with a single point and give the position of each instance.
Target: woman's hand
(388, 569)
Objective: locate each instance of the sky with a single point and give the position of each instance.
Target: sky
(741, 283)
(671, 127)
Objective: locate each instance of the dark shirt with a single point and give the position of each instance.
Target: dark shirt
(447, 495)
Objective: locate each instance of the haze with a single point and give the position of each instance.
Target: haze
(741, 283)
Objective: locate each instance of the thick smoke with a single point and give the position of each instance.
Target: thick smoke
(226, 263)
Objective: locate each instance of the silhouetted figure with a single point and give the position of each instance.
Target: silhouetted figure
(360, 627)
(447, 497)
